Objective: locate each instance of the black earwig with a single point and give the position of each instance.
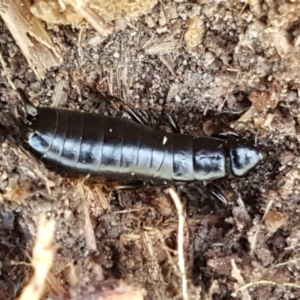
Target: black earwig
(100, 146)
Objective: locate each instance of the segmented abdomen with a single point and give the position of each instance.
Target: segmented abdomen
(84, 143)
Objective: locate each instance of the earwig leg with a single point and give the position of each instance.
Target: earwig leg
(127, 186)
(173, 124)
(215, 191)
(137, 117)
(134, 115)
(225, 134)
(212, 188)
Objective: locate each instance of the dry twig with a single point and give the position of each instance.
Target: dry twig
(180, 241)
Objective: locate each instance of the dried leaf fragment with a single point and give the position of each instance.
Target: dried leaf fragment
(222, 265)
(262, 100)
(17, 193)
(274, 220)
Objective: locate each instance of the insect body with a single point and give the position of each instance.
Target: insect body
(90, 144)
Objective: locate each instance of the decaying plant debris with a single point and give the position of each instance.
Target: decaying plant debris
(30, 35)
(213, 65)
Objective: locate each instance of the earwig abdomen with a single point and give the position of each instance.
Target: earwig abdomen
(83, 143)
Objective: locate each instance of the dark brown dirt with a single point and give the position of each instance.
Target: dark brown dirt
(249, 54)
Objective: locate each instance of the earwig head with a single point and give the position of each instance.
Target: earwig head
(243, 156)
(28, 110)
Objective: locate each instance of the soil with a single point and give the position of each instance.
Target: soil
(244, 67)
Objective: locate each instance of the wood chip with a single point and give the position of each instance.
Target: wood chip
(102, 27)
(42, 259)
(28, 32)
(56, 12)
(89, 234)
(162, 47)
(59, 96)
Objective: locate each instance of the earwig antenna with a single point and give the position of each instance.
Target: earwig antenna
(134, 115)
(173, 124)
